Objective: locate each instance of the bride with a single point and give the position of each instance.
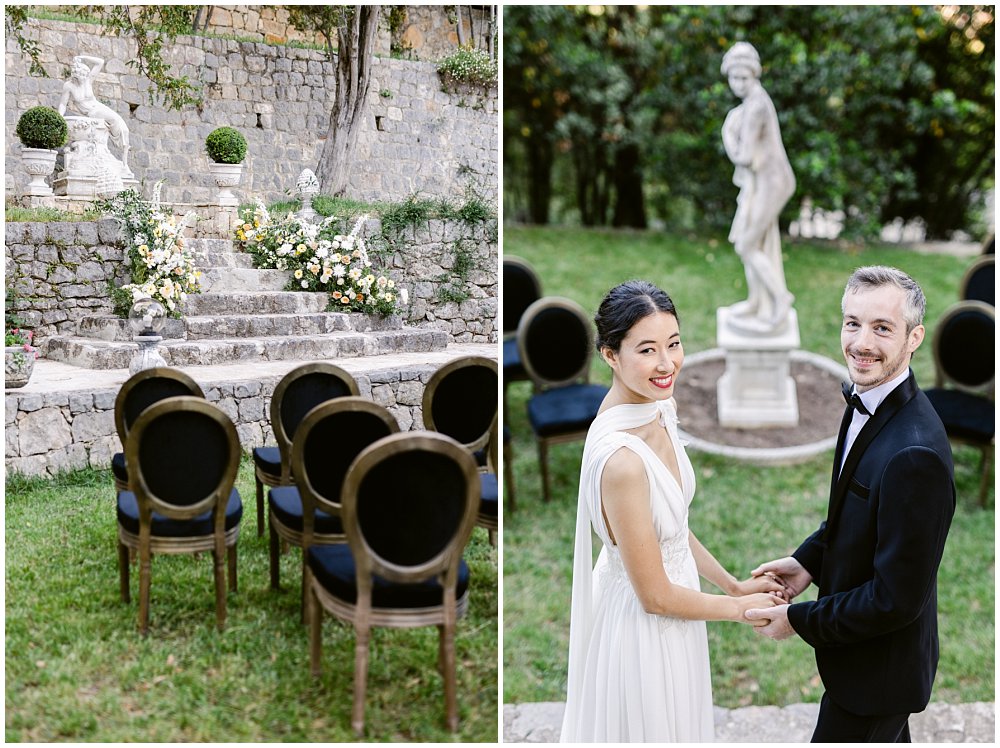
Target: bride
(638, 653)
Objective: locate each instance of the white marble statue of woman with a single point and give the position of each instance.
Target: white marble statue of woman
(80, 88)
(752, 139)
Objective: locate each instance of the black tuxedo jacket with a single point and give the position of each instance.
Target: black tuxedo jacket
(875, 560)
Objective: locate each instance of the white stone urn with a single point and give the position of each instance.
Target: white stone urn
(17, 365)
(39, 163)
(226, 177)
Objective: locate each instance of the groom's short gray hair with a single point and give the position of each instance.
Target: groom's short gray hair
(875, 276)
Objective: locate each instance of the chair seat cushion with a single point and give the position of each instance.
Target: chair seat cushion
(488, 493)
(563, 410)
(333, 568)
(164, 527)
(268, 459)
(965, 416)
(287, 506)
(513, 369)
(118, 467)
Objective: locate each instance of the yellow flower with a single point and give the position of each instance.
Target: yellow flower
(298, 273)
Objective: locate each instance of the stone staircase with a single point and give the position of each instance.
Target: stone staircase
(244, 316)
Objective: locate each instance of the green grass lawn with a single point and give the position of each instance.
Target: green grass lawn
(744, 514)
(78, 670)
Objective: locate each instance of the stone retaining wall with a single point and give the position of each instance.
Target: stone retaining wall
(416, 138)
(60, 272)
(53, 432)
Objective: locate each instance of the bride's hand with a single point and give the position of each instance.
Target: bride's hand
(756, 600)
(763, 583)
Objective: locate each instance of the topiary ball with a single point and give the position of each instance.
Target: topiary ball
(226, 146)
(42, 127)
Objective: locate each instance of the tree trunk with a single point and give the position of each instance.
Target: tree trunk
(630, 208)
(461, 28)
(355, 54)
(540, 158)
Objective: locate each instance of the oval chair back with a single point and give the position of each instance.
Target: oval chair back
(556, 342)
(298, 392)
(327, 441)
(409, 507)
(521, 288)
(980, 281)
(139, 391)
(965, 347)
(460, 401)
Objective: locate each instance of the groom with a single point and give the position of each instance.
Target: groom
(875, 558)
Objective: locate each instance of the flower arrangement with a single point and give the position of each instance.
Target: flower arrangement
(16, 337)
(162, 267)
(321, 257)
(468, 65)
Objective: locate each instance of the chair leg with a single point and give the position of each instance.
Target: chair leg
(123, 572)
(231, 555)
(275, 561)
(306, 597)
(315, 632)
(493, 538)
(219, 569)
(984, 481)
(260, 506)
(448, 671)
(508, 478)
(145, 579)
(362, 633)
(543, 463)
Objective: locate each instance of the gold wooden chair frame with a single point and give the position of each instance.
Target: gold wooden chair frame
(221, 541)
(343, 409)
(284, 423)
(488, 483)
(472, 426)
(443, 563)
(127, 410)
(974, 279)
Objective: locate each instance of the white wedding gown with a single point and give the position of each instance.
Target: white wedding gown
(634, 676)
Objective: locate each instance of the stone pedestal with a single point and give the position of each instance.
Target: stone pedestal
(757, 390)
(89, 169)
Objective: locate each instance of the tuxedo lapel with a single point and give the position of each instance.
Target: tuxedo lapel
(883, 414)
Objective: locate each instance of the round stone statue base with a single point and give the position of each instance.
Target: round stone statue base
(757, 389)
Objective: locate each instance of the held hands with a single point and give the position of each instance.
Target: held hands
(789, 572)
(762, 583)
(759, 602)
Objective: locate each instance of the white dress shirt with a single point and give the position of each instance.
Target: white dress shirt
(871, 399)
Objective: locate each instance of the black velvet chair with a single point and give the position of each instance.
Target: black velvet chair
(298, 392)
(980, 281)
(489, 489)
(963, 396)
(183, 454)
(326, 442)
(556, 341)
(139, 392)
(408, 507)
(460, 401)
(521, 289)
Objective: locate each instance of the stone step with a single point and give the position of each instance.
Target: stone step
(263, 302)
(238, 325)
(242, 280)
(205, 260)
(209, 245)
(99, 354)
(272, 325)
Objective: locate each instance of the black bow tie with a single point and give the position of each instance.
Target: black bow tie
(853, 399)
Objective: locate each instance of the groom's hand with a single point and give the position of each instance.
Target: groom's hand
(776, 624)
(792, 574)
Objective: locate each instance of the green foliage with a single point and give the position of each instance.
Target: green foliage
(701, 273)
(412, 211)
(885, 111)
(325, 20)
(42, 127)
(18, 214)
(77, 669)
(225, 145)
(15, 18)
(468, 65)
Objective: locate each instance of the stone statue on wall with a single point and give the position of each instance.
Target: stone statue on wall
(752, 138)
(80, 90)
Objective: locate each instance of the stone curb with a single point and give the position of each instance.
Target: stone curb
(939, 723)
